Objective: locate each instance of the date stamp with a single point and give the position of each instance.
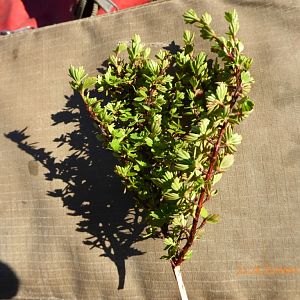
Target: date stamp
(267, 270)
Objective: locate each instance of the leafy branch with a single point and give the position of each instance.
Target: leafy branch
(170, 122)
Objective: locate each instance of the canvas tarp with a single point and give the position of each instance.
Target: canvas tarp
(67, 231)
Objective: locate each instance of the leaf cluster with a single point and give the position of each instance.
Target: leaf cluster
(162, 117)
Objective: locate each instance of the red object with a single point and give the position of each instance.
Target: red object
(122, 4)
(15, 14)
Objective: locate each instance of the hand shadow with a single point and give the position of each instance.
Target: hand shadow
(91, 190)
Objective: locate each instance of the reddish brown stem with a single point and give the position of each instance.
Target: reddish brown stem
(187, 246)
(209, 175)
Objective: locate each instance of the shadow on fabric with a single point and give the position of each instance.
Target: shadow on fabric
(9, 282)
(91, 190)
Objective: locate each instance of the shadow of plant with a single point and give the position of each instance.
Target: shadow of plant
(91, 190)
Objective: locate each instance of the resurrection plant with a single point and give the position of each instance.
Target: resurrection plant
(170, 122)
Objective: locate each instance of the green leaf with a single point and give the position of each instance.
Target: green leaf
(161, 54)
(188, 254)
(169, 241)
(176, 184)
(235, 139)
(156, 124)
(226, 162)
(137, 168)
(192, 137)
(147, 52)
(240, 46)
(120, 48)
(229, 16)
(216, 178)
(246, 77)
(124, 171)
(153, 67)
(203, 213)
(136, 39)
(183, 155)
(149, 141)
(206, 18)
(166, 257)
(179, 221)
(233, 20)
(168, 175)
(171, 196)
(119, 133)
(188, 37)
(247, 105)
(142, 163)
(190, 17)
(182, 167)
(200, 59)
(91, 101)
(113, 60)
(139, 99)
(213, 218)
(142, 93)
(203, 125)
(232, 139)
(136, 136)
(108, 75)
(211, 103)
(221, 91)
(77, 74)
(115, 145)
(154, 215)
(205, 30)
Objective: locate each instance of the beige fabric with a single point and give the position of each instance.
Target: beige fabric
(59, 198)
